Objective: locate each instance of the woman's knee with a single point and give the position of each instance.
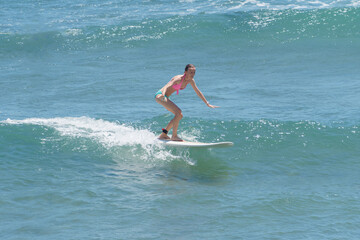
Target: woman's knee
(179, 115)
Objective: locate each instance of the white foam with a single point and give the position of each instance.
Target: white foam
(298, 4)
(253, 3)
(354, 3)
(73, 32)
(108, 133)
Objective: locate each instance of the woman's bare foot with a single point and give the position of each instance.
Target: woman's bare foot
(164, 136)
(176, 138)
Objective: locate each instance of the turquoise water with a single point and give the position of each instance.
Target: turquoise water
(78, 120)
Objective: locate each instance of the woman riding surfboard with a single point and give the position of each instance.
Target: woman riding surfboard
(179, 82)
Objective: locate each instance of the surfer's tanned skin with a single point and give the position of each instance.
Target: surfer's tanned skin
(162, 97)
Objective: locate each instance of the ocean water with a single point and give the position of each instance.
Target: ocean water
(78, 119)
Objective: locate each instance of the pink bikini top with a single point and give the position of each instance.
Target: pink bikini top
(177, 87)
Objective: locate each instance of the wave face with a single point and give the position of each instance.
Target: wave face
(250, 137)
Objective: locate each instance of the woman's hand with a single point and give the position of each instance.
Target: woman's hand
(211, 106)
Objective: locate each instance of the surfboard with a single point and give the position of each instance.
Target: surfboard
(195, 144)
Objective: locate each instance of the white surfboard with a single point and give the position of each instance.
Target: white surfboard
(196, 144)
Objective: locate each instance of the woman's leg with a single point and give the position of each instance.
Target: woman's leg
(174, 123)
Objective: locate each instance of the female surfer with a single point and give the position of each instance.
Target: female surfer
(162, 97)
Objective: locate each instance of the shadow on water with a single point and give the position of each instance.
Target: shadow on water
(205, 166)
(198, 165)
